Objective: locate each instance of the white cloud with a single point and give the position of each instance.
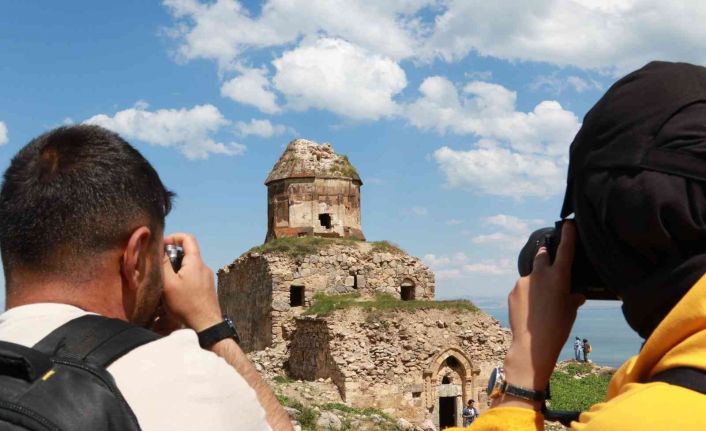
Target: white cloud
(341, 77)
(252, 87)
(519, 154)
(608, 34)
(511, 223)
(491, 266)
(493, 170)
(189, 130)
(420, 211)
(223, 30)
(511, 234)
(556, 84)
(454, 222)
(261, 128)
(459, 266)
(3, 134)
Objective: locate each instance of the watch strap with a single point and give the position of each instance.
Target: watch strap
(524, 393)
(220, 331)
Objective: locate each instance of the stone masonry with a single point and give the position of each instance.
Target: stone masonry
(421, 362)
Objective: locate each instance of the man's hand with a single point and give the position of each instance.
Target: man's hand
(190, 295)
(542, 312)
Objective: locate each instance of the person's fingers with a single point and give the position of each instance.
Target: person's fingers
(567, 246)
(186, 241)
(541, 259)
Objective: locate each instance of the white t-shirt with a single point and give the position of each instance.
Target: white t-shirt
(170, 384)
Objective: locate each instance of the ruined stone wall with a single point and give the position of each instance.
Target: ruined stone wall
(296, 205)
(245, 294)
(250, 281)
(309, 354)
(397, 360)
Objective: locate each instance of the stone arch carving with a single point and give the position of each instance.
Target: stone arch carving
(451, 360)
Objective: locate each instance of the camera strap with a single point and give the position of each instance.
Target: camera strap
(686, 377)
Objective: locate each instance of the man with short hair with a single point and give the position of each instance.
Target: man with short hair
(469, 413)
(81, 231)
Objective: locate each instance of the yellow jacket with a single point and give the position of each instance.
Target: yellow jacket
(678, 341)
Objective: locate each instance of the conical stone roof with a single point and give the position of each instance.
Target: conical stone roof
(305, 159)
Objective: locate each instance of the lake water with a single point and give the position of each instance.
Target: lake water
(605, 328)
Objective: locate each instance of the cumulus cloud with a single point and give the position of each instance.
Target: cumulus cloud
(341, 77)
(459, 265)
(519, 154)
(261, 128)
(223, 30)
(606, 35)
(188, 130)
(556, 84)
(510, 232)
(3, 134)
(252, 87)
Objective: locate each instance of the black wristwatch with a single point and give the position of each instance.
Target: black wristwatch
(498, 386)
(210, 336)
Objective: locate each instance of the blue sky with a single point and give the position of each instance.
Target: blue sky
(457, 114)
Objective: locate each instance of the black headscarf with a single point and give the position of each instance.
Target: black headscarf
(637, 186)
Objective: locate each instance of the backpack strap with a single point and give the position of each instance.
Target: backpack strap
(93, 338)
(686, 377)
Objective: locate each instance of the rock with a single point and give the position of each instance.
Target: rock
(349, 281)
(292, 412)
(404, 425)
(428, 425)
(280, 306)
(328, 421)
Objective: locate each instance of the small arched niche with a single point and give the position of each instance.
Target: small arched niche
(407, 290)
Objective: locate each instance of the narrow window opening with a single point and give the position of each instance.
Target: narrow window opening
(446, 380)
(296, 296)
(325, 220)
(355, 279)
(407, 293)
(416, 394)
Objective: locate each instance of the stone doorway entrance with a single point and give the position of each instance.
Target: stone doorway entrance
(447, 412)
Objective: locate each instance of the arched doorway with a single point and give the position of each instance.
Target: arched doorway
(449, 379)
(407, 292)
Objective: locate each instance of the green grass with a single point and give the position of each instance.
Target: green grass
(326, 304)
(283, 379)
(300, 246)
(570, 393)
(386, 247)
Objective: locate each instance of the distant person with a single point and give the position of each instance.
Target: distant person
(637, 188)
(82, 218)
(578, 348)
(469, 413)
(586, 347)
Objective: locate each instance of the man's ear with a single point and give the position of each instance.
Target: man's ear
(135, 256)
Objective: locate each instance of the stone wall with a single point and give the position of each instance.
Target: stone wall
(314, 206)
(358, 267)
(398, 360)
(245, 294)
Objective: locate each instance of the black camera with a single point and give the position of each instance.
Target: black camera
(175, 253)
(584, 279)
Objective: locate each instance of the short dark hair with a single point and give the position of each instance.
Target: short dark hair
(72, 192)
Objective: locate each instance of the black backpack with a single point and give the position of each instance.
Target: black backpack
(61, 384)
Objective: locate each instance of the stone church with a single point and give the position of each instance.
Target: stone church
(421, 359)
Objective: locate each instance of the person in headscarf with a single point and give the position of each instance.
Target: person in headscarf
(637, 189)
